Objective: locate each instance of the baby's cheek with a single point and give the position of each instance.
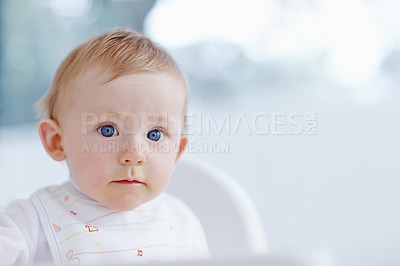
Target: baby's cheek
(161, 165)
(86, 159)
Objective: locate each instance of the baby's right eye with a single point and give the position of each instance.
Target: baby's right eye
(108, 131)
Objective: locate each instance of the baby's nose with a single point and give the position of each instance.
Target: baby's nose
(128, 161)
(132, 156)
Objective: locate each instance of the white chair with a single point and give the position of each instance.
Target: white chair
(228, 215)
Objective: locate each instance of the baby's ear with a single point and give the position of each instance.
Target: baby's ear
(50, 134)
(182, 146)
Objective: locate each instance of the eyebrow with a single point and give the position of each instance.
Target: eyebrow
(161, 117)
(165, 119)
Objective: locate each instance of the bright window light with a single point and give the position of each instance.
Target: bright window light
(344, 33)
(178, 23)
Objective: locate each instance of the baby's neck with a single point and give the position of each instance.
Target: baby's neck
(73, 188)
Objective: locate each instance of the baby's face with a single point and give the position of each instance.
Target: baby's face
(122, 139)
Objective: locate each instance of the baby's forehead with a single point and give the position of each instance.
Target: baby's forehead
(99, 76)
(130, 120)
(159, 96)
(133, 116)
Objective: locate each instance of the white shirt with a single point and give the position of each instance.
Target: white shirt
(62, 225)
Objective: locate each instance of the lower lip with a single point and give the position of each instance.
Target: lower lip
(127, 182)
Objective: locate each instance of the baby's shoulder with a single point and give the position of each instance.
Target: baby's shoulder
(185, 220)
(175, 207)
(21, 208)
(24, 212)
(172, 202)
(21, 214)
(171, 199)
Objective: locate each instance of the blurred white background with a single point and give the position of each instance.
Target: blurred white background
(310, 90)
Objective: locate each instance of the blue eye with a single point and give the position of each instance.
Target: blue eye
(108, 131)
(154, 135)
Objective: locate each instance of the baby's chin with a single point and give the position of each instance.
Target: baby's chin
(123, 208)
(125, 204)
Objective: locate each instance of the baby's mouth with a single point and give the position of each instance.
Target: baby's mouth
(128, 182)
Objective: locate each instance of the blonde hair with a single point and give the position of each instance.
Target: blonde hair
(119, 52)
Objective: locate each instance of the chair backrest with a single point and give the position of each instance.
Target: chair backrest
(228, 215)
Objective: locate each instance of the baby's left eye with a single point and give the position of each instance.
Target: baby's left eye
(108, 131)
(155, 135)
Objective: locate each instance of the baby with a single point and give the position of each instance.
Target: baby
(115, 113)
